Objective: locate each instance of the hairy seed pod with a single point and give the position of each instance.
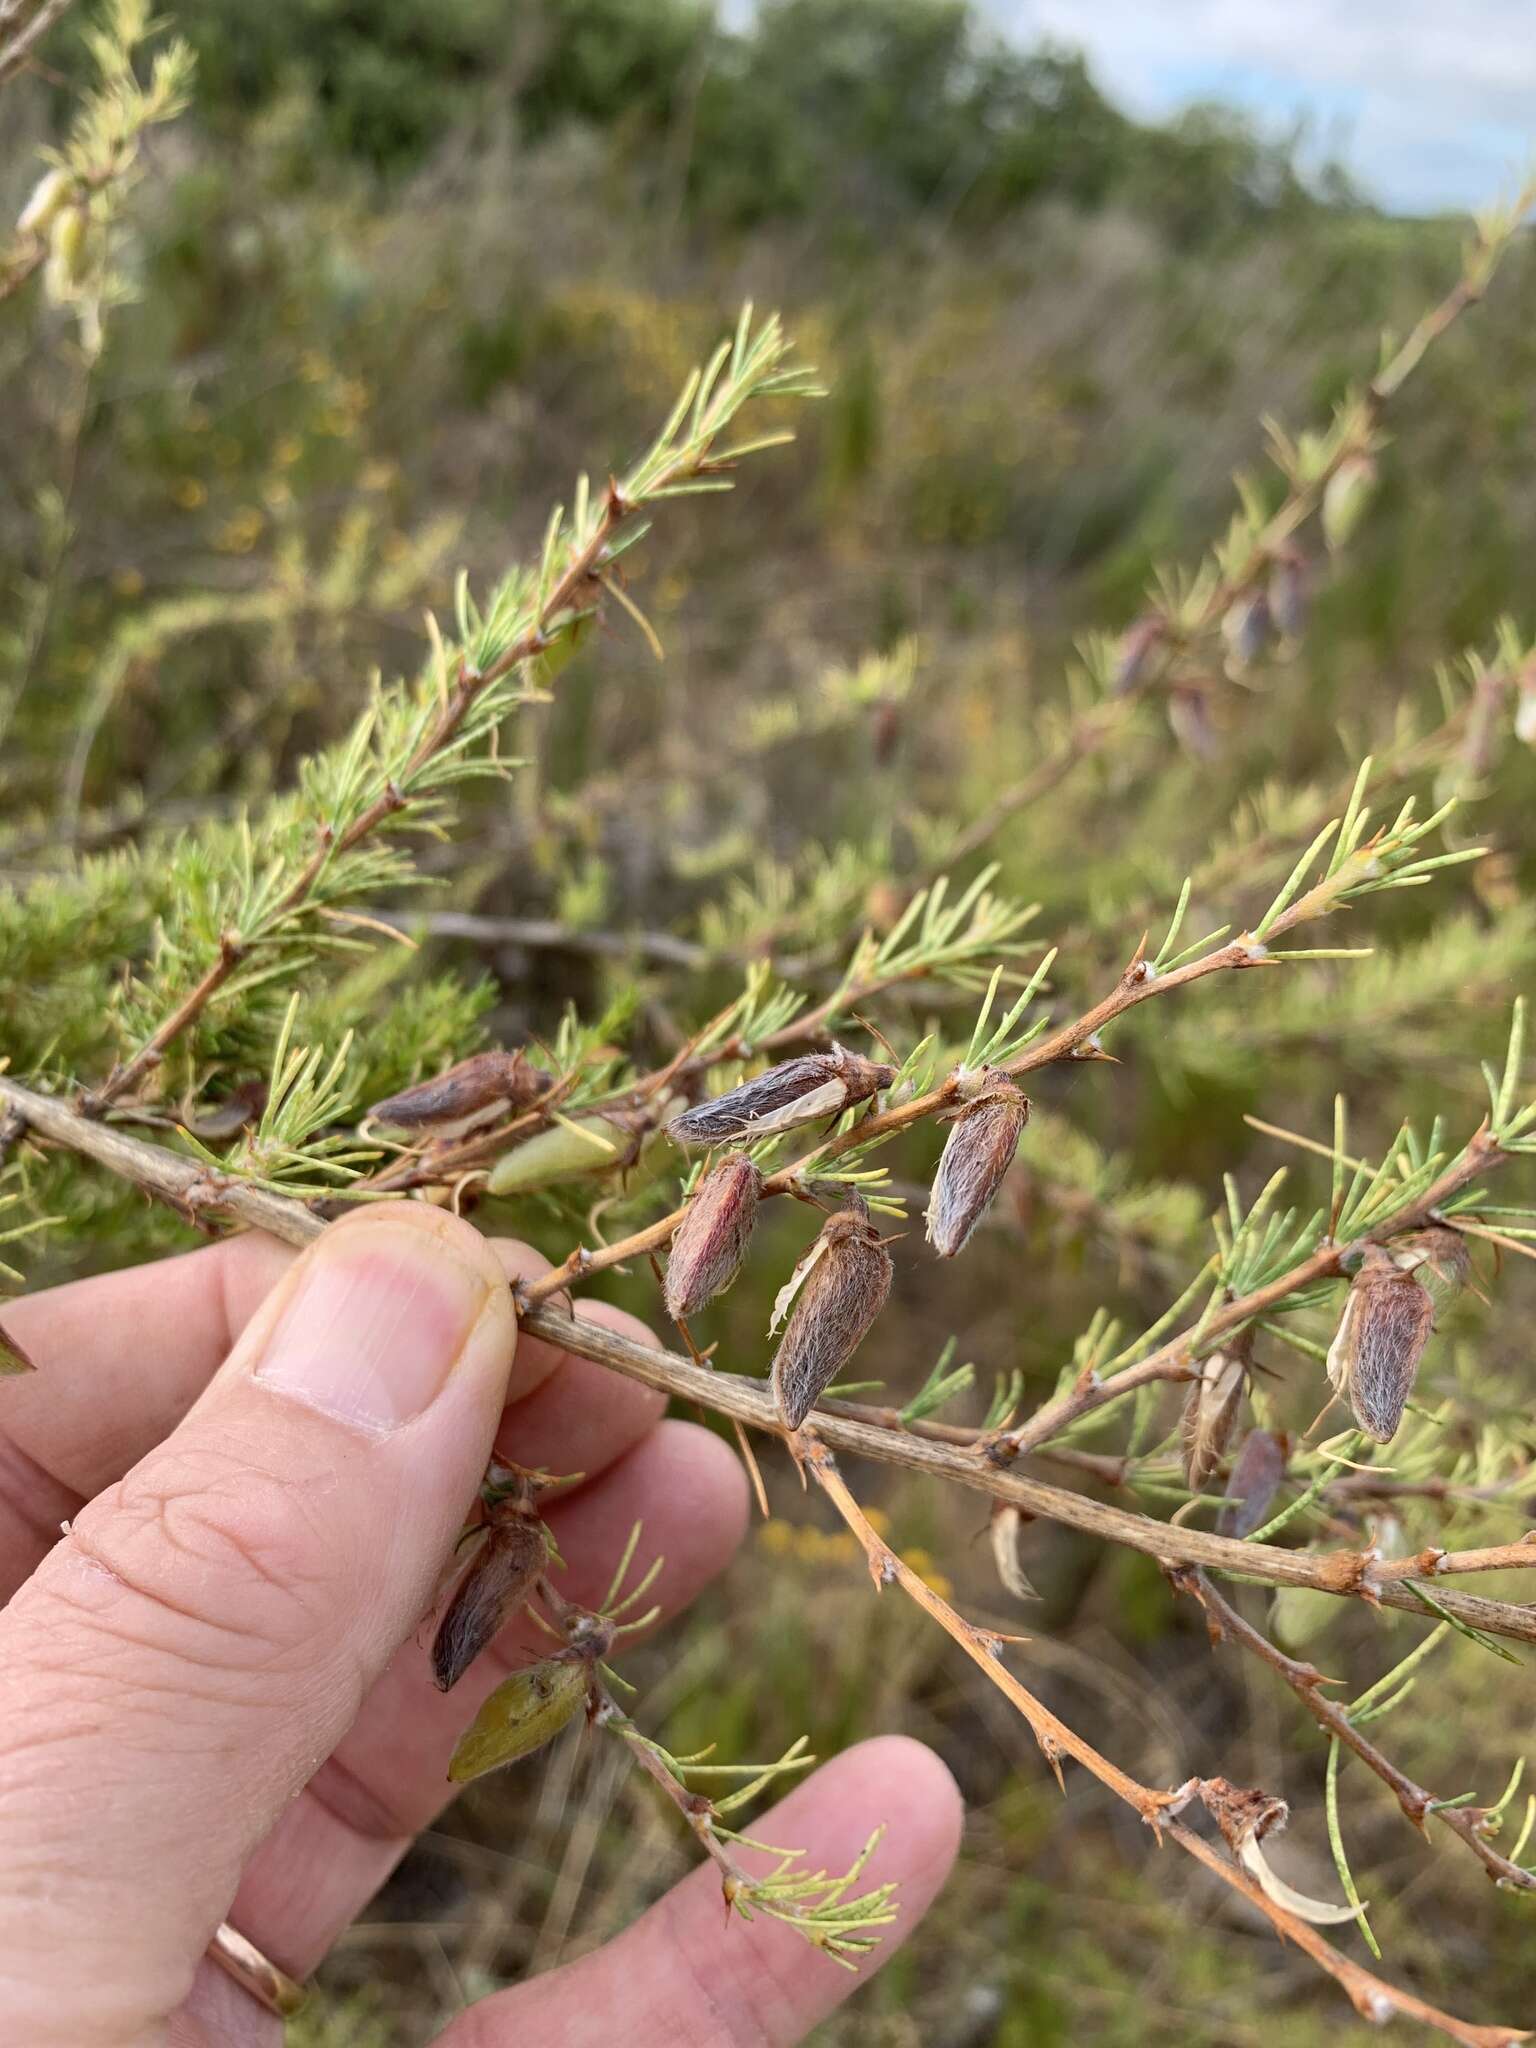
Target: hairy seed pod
(1007, 1526)
(885, 730)
(521, 1715)
(843, 1284)
(1374, 1359)
(794, 1092)
(1256, 1473)
(13, 1360)
(50, 195)
(1245, 626)
(1345, 496)
(977, 1153)
(1211, 1410)
(710, 1243)
(1289, 596)
(500, 1578)
(486, 1085)
(1189, 719)
(1138, 647)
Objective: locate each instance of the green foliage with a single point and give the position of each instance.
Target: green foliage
(233, 780)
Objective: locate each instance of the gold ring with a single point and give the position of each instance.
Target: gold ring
(256, 1973)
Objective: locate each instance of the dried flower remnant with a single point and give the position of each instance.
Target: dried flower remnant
(1211, 1410)
(1007, 1527)
(977, 1153)
(1254, 1480)
(1246, 1817)
(1525, 707)
(503, 1573)
(485, 1086)
(839, 1288)
(1374, 1359)
(55, 190)
(522, 1714)
(711, 1241)
(1441, 1261)
(794, 1092)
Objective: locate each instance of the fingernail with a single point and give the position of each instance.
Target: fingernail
(375, 1325)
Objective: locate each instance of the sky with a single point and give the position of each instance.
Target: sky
(1430, 104)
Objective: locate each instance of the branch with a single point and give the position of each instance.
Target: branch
(205, 1196)
(1372, 1996)
(1466, 1822)
(1090, 728)
(1171, 1360)
(673, 467)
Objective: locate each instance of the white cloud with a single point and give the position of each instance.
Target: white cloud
(1430, 102)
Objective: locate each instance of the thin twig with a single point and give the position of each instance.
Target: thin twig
(1465, 1822)
(1372, 1996)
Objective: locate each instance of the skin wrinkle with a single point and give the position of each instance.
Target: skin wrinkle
(175, 1525)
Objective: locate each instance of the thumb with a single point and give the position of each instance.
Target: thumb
(180, 1664)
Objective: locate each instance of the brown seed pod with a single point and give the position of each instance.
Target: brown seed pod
(1211, 1410)
(977, 1153)
(1139, 644)
(710, 1243)
(1246, 626)
(842, 1286)
(1289, 595)
(500, 1578)
(485, 1085)
(1256, 1473)
(794, 1092)
(520, 1716)
(1374, 1359)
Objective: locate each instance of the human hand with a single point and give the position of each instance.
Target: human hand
(215, 1698)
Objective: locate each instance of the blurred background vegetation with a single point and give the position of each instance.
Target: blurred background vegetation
(403, 270)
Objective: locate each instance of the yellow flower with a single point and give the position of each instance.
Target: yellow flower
(189, 492)
(238, 535)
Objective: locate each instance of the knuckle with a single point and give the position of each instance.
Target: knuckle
(208, 1558)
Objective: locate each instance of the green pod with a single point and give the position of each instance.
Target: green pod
(1346, 495)
(563, 649)
(566, 1151)
(520, 1716)
(581, 1145)
(66, 243)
